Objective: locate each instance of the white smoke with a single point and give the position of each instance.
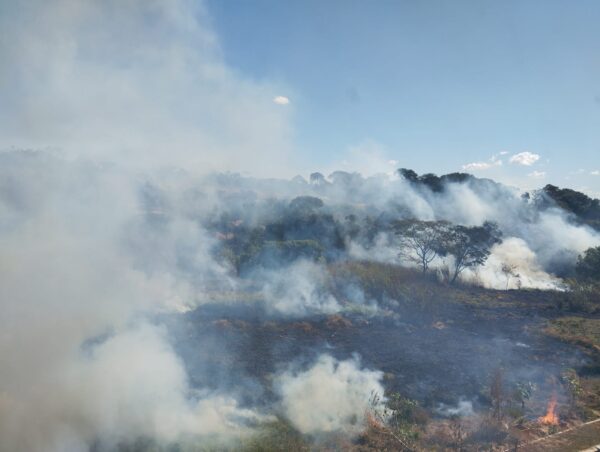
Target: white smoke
(79, 365)
(298, 290)
(83, 271)
(141, 82)
(462, 408)
(553, 237)
(330, 396)
(384, 249)
(549, 240)
(512, 265)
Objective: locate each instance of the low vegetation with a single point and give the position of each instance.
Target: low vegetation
(580, 331)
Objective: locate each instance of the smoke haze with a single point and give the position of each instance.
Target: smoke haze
(120, 128)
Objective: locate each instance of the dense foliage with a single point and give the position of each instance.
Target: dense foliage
(588, 265)
(586, 209)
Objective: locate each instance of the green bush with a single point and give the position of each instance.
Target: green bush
(582, 296)
(276, 436)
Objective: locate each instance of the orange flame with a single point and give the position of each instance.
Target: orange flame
(551, 418)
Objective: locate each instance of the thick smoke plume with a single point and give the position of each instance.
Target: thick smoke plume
(330, 396)
(81, 362)
(86, 263)
(299, 290)
(512, 265)
(138, 82)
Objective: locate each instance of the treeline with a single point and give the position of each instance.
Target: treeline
(585, 209)
(584, 287)
(305, 229)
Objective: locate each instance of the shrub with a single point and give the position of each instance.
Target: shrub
(278, 435)
(582, 296)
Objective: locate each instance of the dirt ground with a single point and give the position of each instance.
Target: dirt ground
(576, 439)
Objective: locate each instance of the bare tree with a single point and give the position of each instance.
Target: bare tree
(421, 241)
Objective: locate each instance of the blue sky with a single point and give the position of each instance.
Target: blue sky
(506, 89)
(434, 85)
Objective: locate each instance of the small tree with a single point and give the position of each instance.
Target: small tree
(458, 432)
(470, 246)
(497, 393)
(572, 384)
(583, 295)
(398, 417)
(509, 270)
(421, 241)
(523, 392)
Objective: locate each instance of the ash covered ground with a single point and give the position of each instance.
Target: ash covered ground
(439, 354)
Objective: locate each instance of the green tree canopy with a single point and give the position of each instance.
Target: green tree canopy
(469, 245)
(588, 265)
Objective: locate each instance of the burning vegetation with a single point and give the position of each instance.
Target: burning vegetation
(167, 286)
(550, 418)
(247, 314)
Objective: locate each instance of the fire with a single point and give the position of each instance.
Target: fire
(551, 418)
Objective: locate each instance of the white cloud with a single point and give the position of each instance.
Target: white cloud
(281, 100)
(537, 174)
(595, 173)
(478, 166)
(524, 158)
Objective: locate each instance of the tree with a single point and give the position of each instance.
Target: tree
(351, 227)
(458, 432)
(497, 393)
(317, 179)
(588, 265)
(397, 417)
(432, 181)
(344, 178)
(523, 392)
(306, 204)
(573, 201)
(470, 246)
(572, 383)
(421, 241)
(510, 270)
(409, 175)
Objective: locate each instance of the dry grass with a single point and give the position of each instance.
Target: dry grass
(580, 331)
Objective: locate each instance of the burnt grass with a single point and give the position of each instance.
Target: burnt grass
(436, 343)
